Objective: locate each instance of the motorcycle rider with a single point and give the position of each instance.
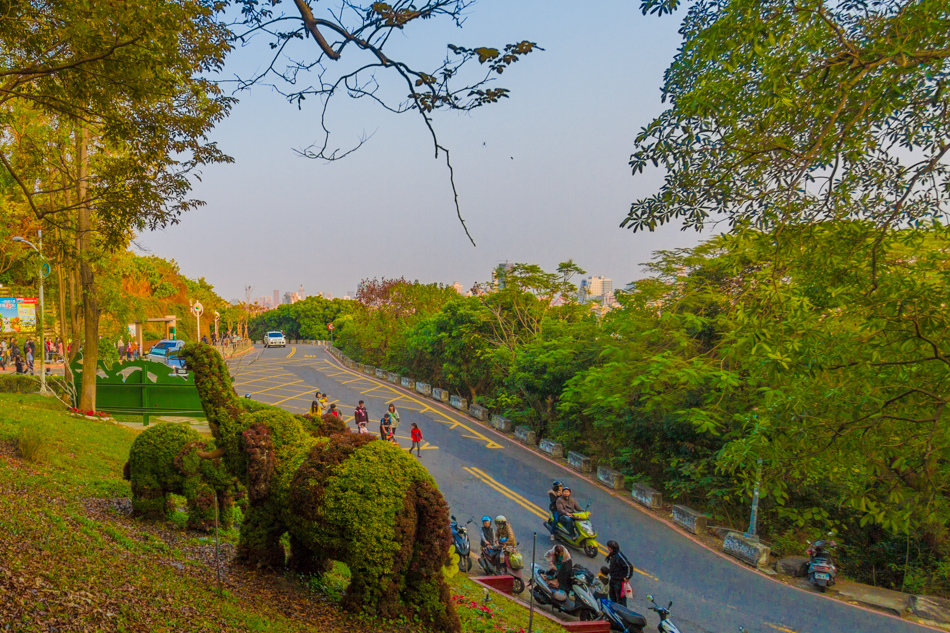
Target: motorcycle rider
(553, 495)
(489, 549)
(503, 530)
(566, 507)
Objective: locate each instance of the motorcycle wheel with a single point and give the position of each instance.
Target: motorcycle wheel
(586, 615)
(822, 588)
(465, 563)
(518, 585)
(590, 550)
(540, 598)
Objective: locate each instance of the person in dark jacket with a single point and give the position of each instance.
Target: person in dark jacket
(360, 415)
(620, 570)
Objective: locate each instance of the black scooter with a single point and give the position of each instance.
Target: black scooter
(621, 618)
(462, 546)
(578, 602)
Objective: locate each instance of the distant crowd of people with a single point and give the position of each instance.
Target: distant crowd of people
(22, 356)
(321, 407)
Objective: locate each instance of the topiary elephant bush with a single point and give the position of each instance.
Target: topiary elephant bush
(164, 460)
(339, 496)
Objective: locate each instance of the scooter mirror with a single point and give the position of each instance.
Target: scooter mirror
(650, 598)
(453, 517)
(670, 604)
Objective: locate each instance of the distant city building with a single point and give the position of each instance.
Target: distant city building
(459, 288)
(301, 293)
(291, 298)
(276, 298)
(498, 275)
(597, 289)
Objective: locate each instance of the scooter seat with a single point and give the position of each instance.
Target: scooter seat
(628, 616)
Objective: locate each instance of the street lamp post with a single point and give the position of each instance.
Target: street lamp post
(39, 320)
(197, 309)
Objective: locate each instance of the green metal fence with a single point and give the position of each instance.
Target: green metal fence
(145, 388)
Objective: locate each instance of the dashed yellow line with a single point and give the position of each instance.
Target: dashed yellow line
(781, 628)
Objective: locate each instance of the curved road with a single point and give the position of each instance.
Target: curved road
(481, 472)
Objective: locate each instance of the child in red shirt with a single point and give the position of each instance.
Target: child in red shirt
(416, 436)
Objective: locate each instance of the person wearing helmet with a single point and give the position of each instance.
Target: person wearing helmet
(503, 530)
(553, 495)
(488, 534)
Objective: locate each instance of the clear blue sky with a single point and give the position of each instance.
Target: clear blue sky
(542, 176)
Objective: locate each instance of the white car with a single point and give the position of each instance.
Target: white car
(275, 339)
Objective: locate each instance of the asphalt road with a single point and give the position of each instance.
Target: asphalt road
(480, 472)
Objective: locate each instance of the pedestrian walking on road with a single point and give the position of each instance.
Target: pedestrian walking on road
(416, 436)
(361, 415)
(385, 428)
(394, 417)
(620, 571)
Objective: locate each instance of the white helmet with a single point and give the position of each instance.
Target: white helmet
(501, 519)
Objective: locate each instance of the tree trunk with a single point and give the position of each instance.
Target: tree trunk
(61, 292)
(90, 304)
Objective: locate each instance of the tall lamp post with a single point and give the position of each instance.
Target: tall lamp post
(197, 309)
(39, 320)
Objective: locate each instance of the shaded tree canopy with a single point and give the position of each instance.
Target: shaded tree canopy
(791, 111)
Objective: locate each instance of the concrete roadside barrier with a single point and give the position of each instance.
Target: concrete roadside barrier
(525, 435)
(554, 449)
(440, 394)
(647, 496)
(580, 463)
(610, 477)
(408, 383)
(393, 377)
(458, 402)
(424, 388)
(380, 373)
(692, 520)
(369, 370)
(478, 412)
(747, 550)
(501, 423)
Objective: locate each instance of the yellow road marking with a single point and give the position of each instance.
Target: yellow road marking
(293, 350)
(781, 628)
(286, 384)
(504, 491)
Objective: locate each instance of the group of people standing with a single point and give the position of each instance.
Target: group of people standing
(387, 425)
(23, 358)
(128, 352)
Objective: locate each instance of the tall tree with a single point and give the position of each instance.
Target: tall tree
(789, 111)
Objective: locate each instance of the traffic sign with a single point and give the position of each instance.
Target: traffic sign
(197, 309)
(330, 327)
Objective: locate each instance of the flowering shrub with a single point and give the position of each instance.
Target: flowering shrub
(478, 618)
(92, 414)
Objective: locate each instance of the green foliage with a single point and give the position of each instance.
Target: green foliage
(801, 114)
(32, 444)
(305, 319)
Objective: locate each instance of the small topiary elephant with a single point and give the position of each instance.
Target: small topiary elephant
(337, 495)
(164, 460)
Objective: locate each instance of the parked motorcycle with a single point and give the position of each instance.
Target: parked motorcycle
(586, 535)
(666, 624)
(621, 618)
(578, 602)
(508, 562)
(462, 546)
(821, 569)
